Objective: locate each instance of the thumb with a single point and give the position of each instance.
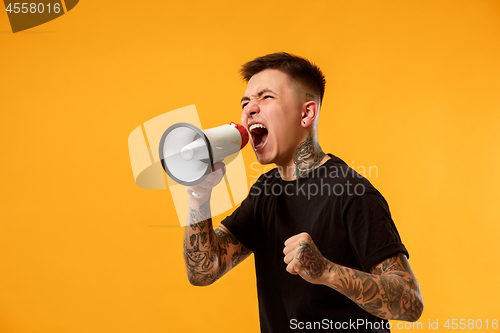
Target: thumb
(218, 173)
(220, 166)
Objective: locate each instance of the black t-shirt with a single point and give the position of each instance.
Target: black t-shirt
(348, 220)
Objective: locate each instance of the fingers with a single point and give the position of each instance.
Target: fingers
(289, 256)
(216, 176)
(296, 249)
(292, 269)
(209, 183)
(292, 246)
(303, 235)
(201, 188)
(293, 243)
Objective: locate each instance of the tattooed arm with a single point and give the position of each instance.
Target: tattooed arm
(389, 291)
(208, 253)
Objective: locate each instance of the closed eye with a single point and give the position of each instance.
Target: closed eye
(246, 100)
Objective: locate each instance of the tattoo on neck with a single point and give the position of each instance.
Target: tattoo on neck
(307, 157)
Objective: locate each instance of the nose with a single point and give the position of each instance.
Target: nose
(251, 109)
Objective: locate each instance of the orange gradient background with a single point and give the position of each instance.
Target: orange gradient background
(413, 89)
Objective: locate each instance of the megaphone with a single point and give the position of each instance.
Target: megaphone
(188, 154)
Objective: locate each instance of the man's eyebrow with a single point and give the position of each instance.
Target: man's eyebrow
(259, 94)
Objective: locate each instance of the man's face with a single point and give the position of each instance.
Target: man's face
(272, 114)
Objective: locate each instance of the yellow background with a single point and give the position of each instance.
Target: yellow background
(413, 89)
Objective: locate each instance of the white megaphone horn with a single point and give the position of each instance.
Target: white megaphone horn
(188, 154)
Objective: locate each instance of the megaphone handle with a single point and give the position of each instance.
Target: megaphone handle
(196, 195)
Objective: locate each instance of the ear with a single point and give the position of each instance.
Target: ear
(309, 113)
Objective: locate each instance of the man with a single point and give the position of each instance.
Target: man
(327, 253)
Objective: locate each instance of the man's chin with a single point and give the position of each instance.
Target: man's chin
(264, 159)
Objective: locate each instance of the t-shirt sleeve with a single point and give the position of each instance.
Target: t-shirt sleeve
(241, 222)
(372, 233)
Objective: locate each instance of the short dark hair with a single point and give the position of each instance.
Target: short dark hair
(298, 68)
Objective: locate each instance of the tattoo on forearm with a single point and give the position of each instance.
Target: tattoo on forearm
(201, 214)
(239, 256)
(225, 238)
(307, 157)
(389, 292)
(198, 257)
(206, 252)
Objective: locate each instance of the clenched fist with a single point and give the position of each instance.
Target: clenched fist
(303, 258)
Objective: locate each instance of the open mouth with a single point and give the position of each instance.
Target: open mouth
(259, 135)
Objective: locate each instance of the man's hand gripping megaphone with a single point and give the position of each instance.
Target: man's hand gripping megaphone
(201, 192)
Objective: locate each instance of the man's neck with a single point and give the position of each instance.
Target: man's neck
(308, 156)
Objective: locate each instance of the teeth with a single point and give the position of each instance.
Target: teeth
(260, 144)
(254, 126)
